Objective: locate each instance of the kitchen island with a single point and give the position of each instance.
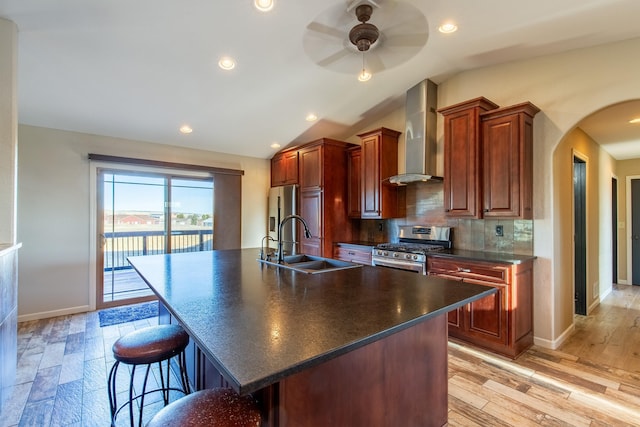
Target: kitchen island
(363, 346)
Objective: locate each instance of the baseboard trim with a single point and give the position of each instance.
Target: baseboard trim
(622, 282)
(53, 313)
(555, 344)
(593, 306)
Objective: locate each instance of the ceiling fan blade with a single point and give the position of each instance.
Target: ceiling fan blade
(408, 40)
(334, 57)
(326, 30)
(373, 62)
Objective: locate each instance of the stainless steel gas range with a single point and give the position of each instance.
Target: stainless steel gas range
(414, 243)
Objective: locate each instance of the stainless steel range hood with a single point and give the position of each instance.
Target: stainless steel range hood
(420, 135)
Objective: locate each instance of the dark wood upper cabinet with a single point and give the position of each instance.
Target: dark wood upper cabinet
(284, 168)
(379, 151)
(354, 189)
(321, 173)
(488, 160)
(311, 167)
(508, 161)
(462, 157)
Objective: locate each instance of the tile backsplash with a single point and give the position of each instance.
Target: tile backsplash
(425, 206)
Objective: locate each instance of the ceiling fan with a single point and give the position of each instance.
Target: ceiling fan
(389, 32)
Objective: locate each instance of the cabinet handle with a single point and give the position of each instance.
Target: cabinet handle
(464, 270)
(351, 253)
(486, 210)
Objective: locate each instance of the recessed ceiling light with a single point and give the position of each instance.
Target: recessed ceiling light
(227, 63)
(634, 121)
(275, 145)
(311, 117)
(264, 5)
(448, 28)
(186, 129)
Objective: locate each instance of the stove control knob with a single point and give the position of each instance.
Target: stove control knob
(385, 253)
(379, 252)
(408, 256)
(415, 257)
(396, 254)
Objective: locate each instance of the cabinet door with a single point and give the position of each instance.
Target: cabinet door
(501, 167)
(454, 319)
(311, 206)
(462, 163)
(488, 316)
(354, 190)
(284, 169)
(310, 168)
(508, 161)
(370, 206)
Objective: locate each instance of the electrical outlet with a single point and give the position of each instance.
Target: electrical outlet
(499, 231)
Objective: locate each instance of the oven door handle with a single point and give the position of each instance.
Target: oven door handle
(417, 267)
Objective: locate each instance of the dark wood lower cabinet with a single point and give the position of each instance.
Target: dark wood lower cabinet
(399, 380)
(502, 322)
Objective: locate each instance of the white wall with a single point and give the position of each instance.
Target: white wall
(566, 87)
(53, 210)
(8, 128)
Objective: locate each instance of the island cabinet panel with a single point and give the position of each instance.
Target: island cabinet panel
(508, 161)
(501, 322)
(408, 368)
(462, 157)
(284, 168)
(379, 151)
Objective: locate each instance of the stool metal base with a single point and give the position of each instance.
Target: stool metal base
(113, 404)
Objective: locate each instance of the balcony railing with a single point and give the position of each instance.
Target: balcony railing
(122, 244)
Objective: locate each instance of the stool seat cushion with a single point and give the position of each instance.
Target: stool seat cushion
(150, 345)
(217, 407)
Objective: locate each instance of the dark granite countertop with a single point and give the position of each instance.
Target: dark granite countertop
(259, 323)
(484, 256)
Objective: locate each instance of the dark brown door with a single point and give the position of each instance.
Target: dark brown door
(635, 231)
(579, 238)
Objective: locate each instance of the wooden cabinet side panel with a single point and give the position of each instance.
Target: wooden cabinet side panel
(526, 168)
(522, 310)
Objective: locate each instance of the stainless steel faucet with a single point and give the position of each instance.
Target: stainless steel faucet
(307, 233)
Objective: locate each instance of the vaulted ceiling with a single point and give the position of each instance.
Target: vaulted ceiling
(142, 69)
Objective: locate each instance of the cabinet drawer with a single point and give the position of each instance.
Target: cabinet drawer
(352, 255)
(468, 269)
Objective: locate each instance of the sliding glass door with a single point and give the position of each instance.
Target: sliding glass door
(137, 213)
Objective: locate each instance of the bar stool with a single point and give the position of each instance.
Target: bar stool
(216, 407)
(146, 346)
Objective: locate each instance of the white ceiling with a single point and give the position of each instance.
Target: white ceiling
(140, 69)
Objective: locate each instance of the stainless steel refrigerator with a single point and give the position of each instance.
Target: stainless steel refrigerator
(283, 202)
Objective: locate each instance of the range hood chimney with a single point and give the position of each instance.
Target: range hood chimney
(420, 135)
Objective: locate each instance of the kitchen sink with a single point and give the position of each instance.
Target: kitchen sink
(311, 264)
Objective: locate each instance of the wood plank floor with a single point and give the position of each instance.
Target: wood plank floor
(63, 365)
